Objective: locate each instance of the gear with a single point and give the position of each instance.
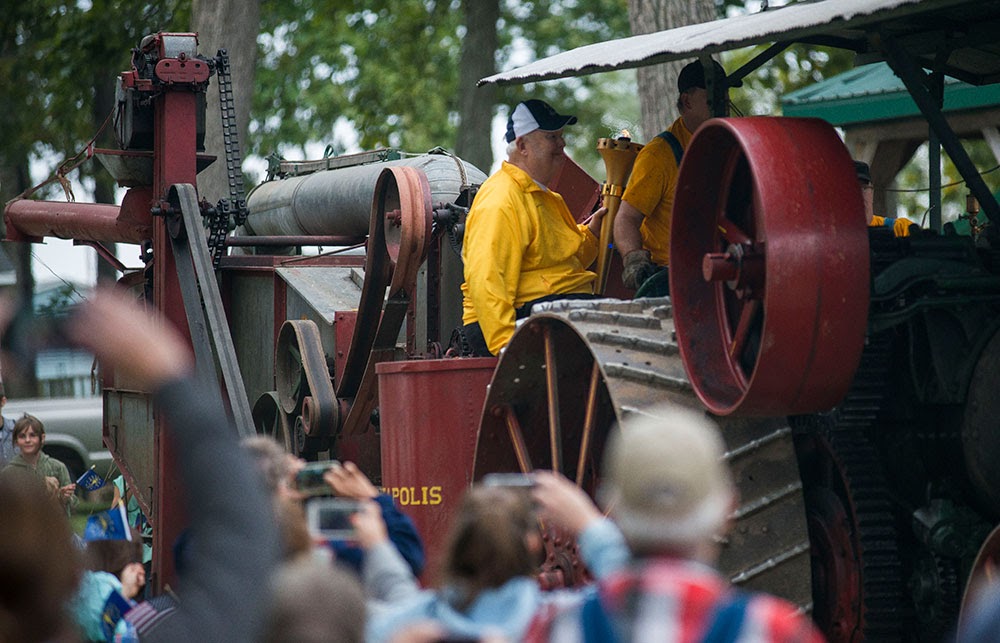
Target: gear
(934, 589)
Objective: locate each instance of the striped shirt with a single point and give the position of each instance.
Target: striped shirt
(673, 600)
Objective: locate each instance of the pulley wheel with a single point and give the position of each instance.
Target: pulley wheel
(302, 378)
(270, 420)
(403, 207)
(769, 271)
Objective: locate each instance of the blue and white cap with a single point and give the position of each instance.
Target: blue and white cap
(535, 114)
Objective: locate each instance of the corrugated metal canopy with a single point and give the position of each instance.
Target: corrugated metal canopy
(874, 93)
(957, 37)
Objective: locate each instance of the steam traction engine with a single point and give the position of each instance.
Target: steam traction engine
(850, 372)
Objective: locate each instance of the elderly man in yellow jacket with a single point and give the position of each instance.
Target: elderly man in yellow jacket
(521, 244)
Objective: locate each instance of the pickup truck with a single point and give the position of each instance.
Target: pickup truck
(72, 431)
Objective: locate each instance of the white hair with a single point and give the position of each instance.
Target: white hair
(511, 148)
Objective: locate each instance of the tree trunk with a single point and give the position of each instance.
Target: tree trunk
(658, 83)
(232, 25)
(19, 380)
(475, 130)
(475, 104)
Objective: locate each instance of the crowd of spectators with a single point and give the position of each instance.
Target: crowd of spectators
(252, 567)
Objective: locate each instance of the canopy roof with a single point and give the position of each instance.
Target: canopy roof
(955, 37)
(874, 93)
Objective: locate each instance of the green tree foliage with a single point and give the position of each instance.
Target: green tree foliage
(914, 202)
(390, 69)
(62, 55)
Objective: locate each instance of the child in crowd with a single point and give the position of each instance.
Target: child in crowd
(112, 566)
(29, 437)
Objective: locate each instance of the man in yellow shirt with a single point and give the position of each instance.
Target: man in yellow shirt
(642, 226)
(521, 243)
(899, 227)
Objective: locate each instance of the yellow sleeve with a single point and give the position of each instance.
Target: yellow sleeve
(493, 249)
(589, 248)
(647, 182)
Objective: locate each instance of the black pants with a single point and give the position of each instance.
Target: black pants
(476, 342)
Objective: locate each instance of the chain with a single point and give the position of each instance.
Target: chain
(217, 222)
(235, 205)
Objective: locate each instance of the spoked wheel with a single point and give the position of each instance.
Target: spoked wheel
(769, 266)
(574, 371)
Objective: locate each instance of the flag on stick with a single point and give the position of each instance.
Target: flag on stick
(108, 525)
(90, 480)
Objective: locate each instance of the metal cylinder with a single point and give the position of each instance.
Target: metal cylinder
(339, 202)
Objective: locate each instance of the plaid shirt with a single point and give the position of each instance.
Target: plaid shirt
(672, 600)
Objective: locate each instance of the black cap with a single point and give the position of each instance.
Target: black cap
(534, 114)
(693, 75)
(863, 171)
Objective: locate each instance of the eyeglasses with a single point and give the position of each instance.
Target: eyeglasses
(733, 109)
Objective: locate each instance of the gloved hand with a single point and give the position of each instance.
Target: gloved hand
(638, 268)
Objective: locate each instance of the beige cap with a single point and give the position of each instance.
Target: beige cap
(666, 482)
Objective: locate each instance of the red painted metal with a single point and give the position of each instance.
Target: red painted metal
(174, 162)
(28, 220)
(343, 329)
(770, 266)
(182, 70)
(430, 411)
(578, 189)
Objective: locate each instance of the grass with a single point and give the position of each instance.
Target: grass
(94, 502)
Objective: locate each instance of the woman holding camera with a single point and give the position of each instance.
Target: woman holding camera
(488, 586)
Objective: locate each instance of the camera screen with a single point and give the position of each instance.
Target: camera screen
(516, 480)
(331, 517)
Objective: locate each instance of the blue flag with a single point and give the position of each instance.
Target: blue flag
(108, 525)
(114, 610)
(90, 480)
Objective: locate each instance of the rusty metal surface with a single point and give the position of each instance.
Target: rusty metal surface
(397, 244)
(30, 220)
(250, 305)
(128, 434)
(769, 266)
(429, 412)
(637, 357)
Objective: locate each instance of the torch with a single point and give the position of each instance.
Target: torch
(619, 155)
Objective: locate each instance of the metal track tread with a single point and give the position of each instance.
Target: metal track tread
(639, 367)
(863, 490)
